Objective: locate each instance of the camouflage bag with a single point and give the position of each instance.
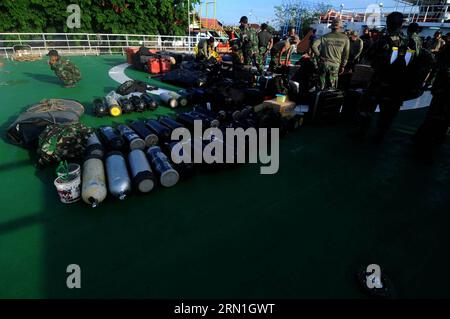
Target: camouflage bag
(62, 142)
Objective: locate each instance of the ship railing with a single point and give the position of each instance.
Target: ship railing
(94, 44)
(418, 14)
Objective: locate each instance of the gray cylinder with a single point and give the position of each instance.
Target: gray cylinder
(119, 182)
(133, 140)
(94, 147)
(93, 190)
(168, 99)
(141, 172)
(168, 177)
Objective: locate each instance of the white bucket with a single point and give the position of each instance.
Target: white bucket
(69, 191)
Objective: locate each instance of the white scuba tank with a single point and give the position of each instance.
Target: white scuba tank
(93, 189)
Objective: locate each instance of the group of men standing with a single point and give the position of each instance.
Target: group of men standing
(396, 59)
(254, 47)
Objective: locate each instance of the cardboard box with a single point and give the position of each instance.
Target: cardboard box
(285, 107)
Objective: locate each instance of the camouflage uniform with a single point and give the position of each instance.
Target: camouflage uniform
(415, 43)
(62, 142)
(203, 50)
(333, 51)
(264, 41)
(66, 71)
(249, 46)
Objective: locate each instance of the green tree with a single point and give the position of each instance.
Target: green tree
(307, 15)
(97, 16)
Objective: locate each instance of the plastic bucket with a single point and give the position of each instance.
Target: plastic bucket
(281, 98)
(69, 191)
(74, 169)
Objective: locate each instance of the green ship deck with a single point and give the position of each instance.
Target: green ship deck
(333, 207)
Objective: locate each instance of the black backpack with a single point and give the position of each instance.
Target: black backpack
(132, 86)
(416, 75)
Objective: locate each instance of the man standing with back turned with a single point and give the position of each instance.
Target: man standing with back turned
(332, 50)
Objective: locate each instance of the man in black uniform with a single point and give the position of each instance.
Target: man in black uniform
(265, 40)
(385, 85)
(435, 127)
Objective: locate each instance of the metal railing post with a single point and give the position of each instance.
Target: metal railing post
(426, 14)
(109, 44)
(445, 14)
(45, 41)
(67, 41)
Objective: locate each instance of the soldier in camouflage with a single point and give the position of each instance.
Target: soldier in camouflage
(415, 42)
(249, 44)
(265, 43)
(65, 70)
(333, 51)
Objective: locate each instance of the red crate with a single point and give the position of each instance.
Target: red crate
(166, 65)
(154, 65)
(130, 54)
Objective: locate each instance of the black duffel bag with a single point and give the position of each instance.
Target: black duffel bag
(30, 124)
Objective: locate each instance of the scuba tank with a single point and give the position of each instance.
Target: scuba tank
(150, 138)
(111, 138)
(182, 100)
(206, 119)
(113, 106)
(100, 108)
(150, 102)
(126, 105)
(247, 117)
(94, 146)
(168, 177)
(141, 172)
(93, 189)
(133, 140)
(186, 170)
(163, 132)
(230, 148)
(138, 104)
(193, 95)
(169, 99)
(119, 183)
(170, 123)
(187, 119)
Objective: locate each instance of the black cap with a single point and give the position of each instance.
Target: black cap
(264, 26)
(413, 28)
(52, 53)
(244, 19)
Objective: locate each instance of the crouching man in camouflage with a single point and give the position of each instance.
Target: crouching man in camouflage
(65, 70)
